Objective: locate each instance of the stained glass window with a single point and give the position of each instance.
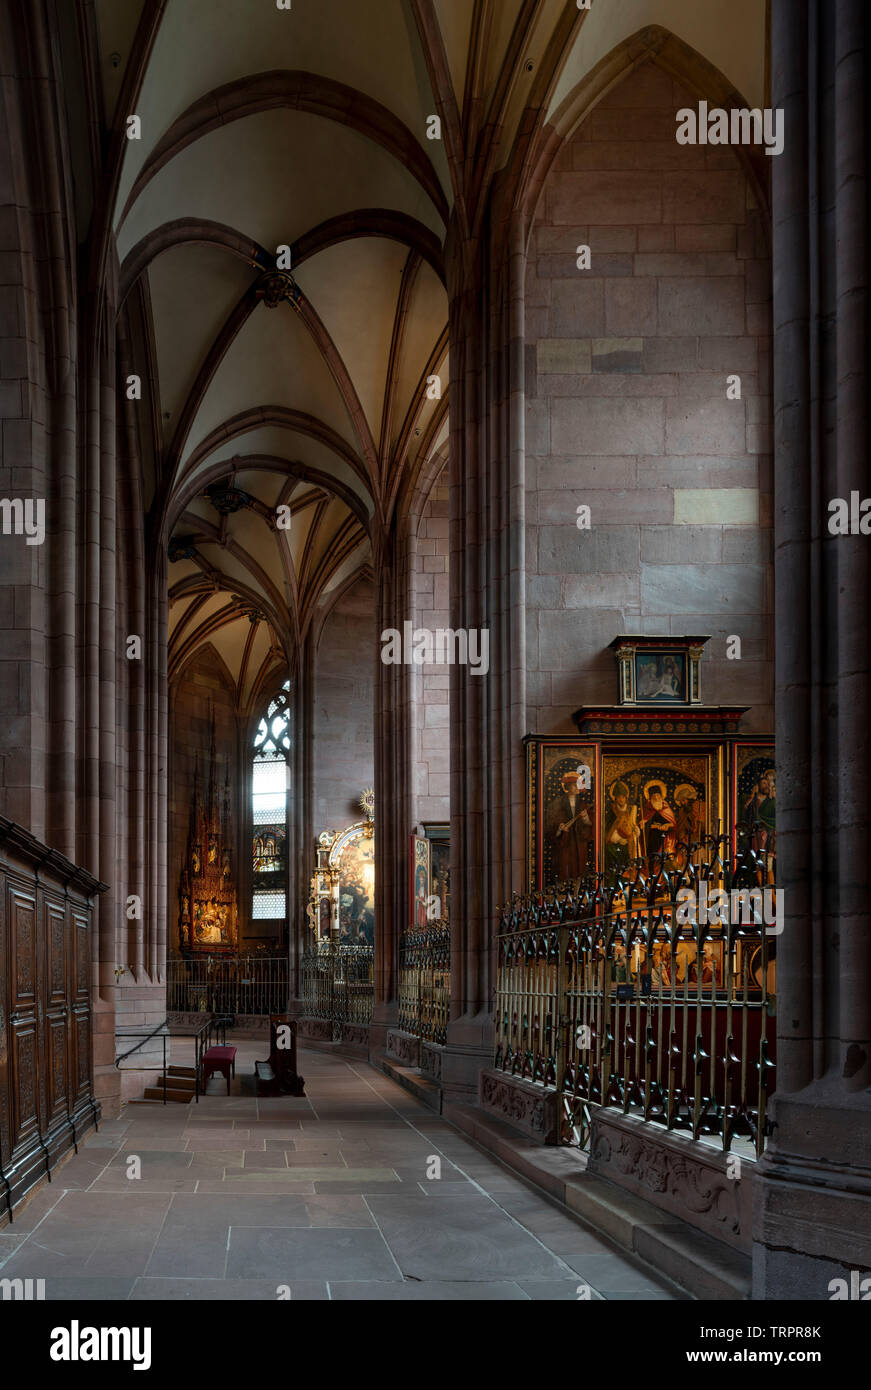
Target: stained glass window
(269, 786)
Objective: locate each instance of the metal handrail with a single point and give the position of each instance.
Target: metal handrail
(202, 1037)
(141, 1043)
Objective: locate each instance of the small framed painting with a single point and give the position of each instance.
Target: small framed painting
(660, 677)
(659, 670)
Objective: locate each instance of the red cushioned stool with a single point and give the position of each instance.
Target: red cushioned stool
(222, 1059)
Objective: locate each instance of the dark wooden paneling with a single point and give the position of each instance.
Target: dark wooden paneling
(46, 1068)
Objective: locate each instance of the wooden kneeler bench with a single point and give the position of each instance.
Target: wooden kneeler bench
(278, 1076)
(222, 1059)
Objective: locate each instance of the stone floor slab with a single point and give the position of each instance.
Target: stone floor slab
(247, 1199)
(317, 1253)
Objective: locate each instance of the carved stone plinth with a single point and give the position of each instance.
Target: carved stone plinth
(674, 1173)
(356, 1035)
(318, 1029)
(405, 1047)
(528, 1108)
(431, 1055)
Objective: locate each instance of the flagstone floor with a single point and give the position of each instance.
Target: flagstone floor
(327, 1197)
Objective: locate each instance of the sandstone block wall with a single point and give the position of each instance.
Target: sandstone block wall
(343, 762)
(431, 763)
(626, 367)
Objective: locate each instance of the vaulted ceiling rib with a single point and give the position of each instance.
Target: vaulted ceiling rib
(307, 129)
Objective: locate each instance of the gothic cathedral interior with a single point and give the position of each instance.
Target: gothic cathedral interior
(435, 569)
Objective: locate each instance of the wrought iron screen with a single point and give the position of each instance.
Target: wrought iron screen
(639, 996)
(255, 985)
(337, 984)
(425, 981)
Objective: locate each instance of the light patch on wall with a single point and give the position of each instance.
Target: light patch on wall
(720, 506)
(563, 356)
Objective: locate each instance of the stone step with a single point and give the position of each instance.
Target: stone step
(412, 1080)
(180, 1096)
(696, 1263)
(183, 1074)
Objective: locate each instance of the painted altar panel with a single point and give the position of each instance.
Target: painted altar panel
(419, 881)
(754, 792)
(440, 879)
(341, 906)
(357, 892)
(595, 805)
(654, 805)
(563, 812)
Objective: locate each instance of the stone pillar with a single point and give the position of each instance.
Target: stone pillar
(393, 781)
(301, 831)
(487, 586)
(812, 1217)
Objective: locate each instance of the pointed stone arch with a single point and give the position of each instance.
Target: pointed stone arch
(654, 43)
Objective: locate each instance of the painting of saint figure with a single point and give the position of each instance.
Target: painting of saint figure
(690, 971)
(659, 822)
(689, 823)
(761, 805)
(440, 878)
(324, 918)
(357, 893)
(655, 809)
(661, 967)
(622, 831)
(420, 875)
(568, 828)
(755, 804)
(563, 814)
(421, 894)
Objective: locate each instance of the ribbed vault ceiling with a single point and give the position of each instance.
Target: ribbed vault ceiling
(306, 128)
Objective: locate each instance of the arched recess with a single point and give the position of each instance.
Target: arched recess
(629, 367)
(667, 50)
(334, 596)
(201, 691)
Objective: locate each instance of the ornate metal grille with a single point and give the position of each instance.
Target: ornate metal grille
(255, 985)
(337, 984)
(425, 981)
(636, 995)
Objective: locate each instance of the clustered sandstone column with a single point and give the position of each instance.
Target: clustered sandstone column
(812, 1220)
(487, 592)
(393, 781)
(82, 744)
(301, 820)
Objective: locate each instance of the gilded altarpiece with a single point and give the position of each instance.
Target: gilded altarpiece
(341, 906)
(602, 803)
(208, 916)
(648, 778)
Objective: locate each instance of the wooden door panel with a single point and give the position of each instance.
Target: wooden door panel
(24, 1068)
(24, 1060)
(23, 948)
(80, 965)
(80, 1008)
(58, 1070)
(54, 917)
(55, 990)
(81, 1053)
